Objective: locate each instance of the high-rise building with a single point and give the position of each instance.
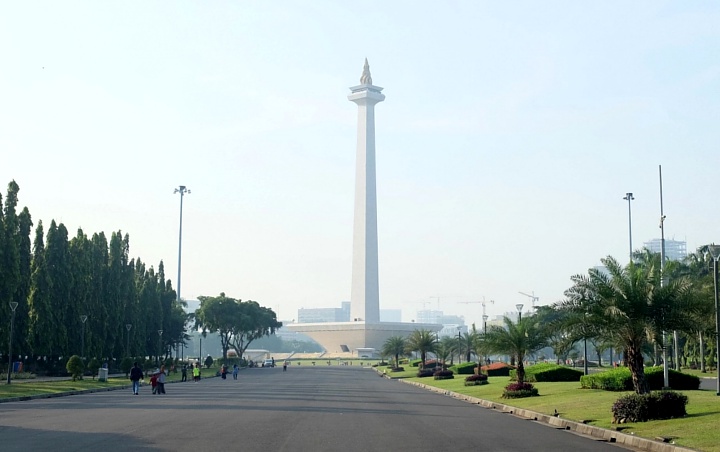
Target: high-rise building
(675, 250)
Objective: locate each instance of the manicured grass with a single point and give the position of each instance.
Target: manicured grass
(32, 388)
(698, 430)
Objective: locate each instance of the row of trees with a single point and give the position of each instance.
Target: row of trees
(57, 281)
(85, 294)
(622, 307)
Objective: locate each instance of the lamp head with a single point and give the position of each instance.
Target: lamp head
(714, 251)
(519, 307)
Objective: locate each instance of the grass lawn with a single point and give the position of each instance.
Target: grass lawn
(31, 388)
(698, 430)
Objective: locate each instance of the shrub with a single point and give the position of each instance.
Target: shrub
(475, 379)
(75, 367)
(621, 380)
(422, 373)
(464, 368)
(497, 369)
(208, 361)
(397, 369)
(519, 390)
(415, 363)
(548, 372)
(678, 380)
(443, 375)
(654, 405)
(93, 367)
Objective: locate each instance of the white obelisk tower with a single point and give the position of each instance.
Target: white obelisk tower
(365, 294)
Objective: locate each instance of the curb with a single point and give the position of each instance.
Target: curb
(597, 433)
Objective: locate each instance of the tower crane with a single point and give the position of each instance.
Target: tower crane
(483, 303)
(532, 297)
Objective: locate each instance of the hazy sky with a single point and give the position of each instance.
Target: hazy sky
(509, 136)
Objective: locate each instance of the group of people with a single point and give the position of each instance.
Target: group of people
(224, 371)
(195, 371)
(157, 379)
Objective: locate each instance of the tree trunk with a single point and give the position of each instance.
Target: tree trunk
(702, 353)
(636, 365)
(521, 369)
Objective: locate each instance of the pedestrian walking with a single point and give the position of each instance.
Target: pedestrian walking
(161, 380)
(285, 364)
(153, 381)
(196, 372)
(136, 375)
(184, 372)
(223, 371)
(236, 369)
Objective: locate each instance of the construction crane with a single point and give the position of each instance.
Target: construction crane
(483, 303)
(532, 297)
(424, 303)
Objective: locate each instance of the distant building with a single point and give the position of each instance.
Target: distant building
(429, 316)
(391, 315)
(675, 250)
(325, 315)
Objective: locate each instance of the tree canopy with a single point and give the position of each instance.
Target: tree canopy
(238, 323)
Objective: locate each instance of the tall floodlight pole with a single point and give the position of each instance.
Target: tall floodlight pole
(128, 326)
(715, 253)
(13, 306)
(666, 373)
(182, 190)
(629, 197)
(83, 318)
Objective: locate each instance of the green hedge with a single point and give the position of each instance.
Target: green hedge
(415, 362)
(548, 372)
(654, 405)
(621, 380)
(464, 368)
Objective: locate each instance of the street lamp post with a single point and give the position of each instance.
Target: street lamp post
(484, 317)
(459, 345)
(182, 190)
(629, 197)
(13, 306)
(715, 253)
(127, 348)
(83, 318)
(160, 350)
(519, 307)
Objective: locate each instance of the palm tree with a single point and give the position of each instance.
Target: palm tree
(446, 348)
(421, 341)
(394, 346)
(628, 306)
(466, 345)
(479, 347)
(519, 339)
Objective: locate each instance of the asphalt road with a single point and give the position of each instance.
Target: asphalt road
(323, 408)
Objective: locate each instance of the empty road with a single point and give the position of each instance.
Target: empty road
(323, 408)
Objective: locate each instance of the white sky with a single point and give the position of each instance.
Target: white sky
(509, 136)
